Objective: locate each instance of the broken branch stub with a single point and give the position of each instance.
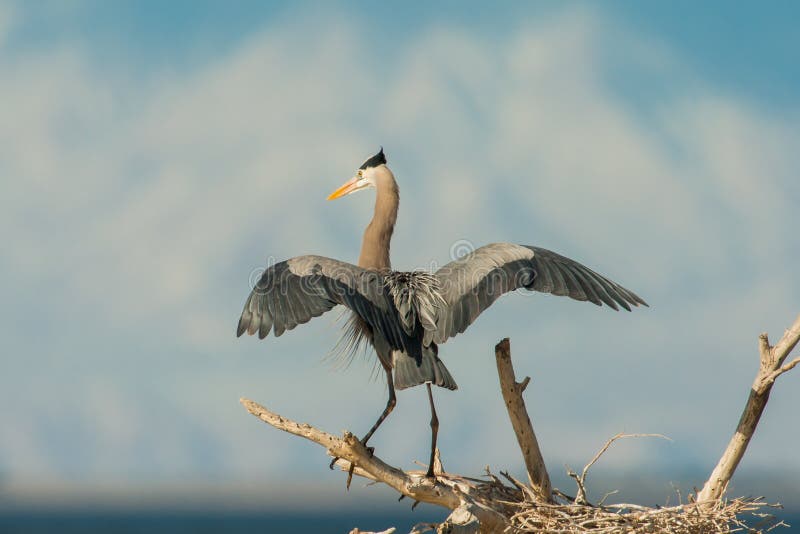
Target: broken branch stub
(521, 422)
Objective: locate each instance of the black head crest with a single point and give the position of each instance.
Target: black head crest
(374, 161)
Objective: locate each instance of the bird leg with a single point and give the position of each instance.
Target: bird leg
(434, 432)
(390, 404)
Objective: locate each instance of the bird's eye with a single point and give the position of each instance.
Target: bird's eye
(360, 173)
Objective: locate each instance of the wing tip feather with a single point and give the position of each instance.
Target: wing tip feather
(244, 323)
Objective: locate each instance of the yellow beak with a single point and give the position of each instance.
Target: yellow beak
(351, 186)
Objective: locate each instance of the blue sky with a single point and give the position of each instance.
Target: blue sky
(748, 49)
(154, 156)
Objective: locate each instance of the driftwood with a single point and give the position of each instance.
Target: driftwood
(771, 367)
(490, 504)
(450, 491)
(518, 413)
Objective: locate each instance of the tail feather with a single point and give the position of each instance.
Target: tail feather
(408, 372)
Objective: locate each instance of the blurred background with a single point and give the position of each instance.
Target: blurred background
(155, 155)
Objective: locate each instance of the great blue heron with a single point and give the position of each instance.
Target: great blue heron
(406, 315)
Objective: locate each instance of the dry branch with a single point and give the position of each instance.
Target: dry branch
(580, 480)
(450, 491)
(518, 413)
(771, 367)
(492, 506)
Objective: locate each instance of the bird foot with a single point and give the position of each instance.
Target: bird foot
(370, 450)
(350, 475)
(349, 471)
(435, 465)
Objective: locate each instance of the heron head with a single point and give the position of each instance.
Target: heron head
(364, 178)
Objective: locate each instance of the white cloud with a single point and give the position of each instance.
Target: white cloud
(142, 217)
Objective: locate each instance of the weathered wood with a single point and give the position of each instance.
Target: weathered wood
(771, 367)
(521, 422)
(450, 491)
(491, 507)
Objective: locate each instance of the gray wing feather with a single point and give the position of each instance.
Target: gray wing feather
(293, 292)
(472, 283)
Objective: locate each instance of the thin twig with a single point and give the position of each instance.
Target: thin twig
(580, 480)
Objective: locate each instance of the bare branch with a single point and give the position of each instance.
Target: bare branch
(450, 491)
(606, 496)
(515, 404)
(789, 366)
(608, 443)
(481, 506)
(782, 369)
(771, 367)
(790, 338)
(764, 349)
(580, 480)
(524, 384)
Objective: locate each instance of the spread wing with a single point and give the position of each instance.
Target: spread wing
(292, 292)
(471, 284)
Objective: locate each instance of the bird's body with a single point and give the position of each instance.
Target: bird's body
(404, 316)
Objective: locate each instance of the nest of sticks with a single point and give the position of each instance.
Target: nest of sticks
(526, 513)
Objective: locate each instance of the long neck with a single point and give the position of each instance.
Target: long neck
(378, 235)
